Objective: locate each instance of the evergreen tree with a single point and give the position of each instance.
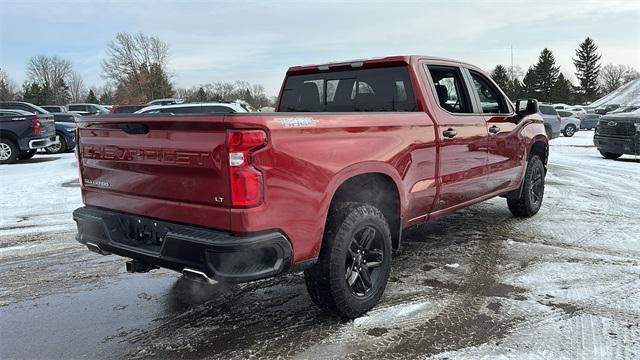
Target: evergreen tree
(546, 74)
(200, 95)
(34, 93)
(91, 98)
(515, 90)
(587, 63)
(501, 77)
(562, 91)
(530, 86)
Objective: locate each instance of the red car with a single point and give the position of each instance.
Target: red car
(126, 109)
(355, 153)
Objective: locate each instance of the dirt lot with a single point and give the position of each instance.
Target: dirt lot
(478, 283)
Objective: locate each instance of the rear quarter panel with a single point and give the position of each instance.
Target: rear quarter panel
(304, 165)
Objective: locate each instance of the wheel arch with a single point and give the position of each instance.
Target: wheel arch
(4, 134)
(374, 184)
(539, 147)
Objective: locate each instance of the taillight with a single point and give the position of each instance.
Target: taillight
(245, 180)
(37, 129)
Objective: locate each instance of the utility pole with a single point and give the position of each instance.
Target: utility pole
(512, 74)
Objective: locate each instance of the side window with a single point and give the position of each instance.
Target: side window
(217, 110)
(491, 100)
(548, 110)
(450, 90)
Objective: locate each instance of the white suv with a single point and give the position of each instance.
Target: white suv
(194, 108)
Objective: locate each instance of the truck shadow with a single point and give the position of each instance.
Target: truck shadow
(276, 317)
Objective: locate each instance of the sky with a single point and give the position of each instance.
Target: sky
(257, 41)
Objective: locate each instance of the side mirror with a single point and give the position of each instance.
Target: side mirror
(526, 107)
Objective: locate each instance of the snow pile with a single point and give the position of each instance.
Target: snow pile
(39, 194)
(628, 94)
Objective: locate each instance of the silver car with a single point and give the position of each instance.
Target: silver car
(569, 123)
(551, 120)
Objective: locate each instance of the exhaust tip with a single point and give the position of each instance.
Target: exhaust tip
(197, 275)
(96, 249)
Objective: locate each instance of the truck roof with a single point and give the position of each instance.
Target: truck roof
(369, 62)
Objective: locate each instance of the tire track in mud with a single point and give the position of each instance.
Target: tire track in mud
(465, 319)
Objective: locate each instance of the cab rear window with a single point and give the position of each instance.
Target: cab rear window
(379, 89)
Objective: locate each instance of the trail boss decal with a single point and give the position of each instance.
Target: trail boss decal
(296, 122)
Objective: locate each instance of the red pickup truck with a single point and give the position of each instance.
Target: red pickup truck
(355, 153)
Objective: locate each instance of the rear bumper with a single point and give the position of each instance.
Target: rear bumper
(43, 143)
(219, 255)
(630, 145)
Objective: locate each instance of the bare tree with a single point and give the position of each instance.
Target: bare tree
(613, 76)
(77, 89)
(8, 88)
(137, 64)
(50, 72)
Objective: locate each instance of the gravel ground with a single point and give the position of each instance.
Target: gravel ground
(476, 284)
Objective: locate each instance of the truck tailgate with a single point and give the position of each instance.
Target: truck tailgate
(169, 167)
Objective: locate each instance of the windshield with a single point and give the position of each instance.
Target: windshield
(382, 89)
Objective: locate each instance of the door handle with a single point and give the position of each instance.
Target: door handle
(494, 129)
(449, 133)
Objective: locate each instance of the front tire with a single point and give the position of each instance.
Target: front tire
(355, 260)
(57, 148)
(609, 155)
(8, 151)
(569, 130)
(530, 200)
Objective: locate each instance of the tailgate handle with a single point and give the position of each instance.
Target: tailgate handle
(134, 129)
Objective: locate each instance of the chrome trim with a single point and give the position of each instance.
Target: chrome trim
(96, 248)
(43, 143)
(199, 274)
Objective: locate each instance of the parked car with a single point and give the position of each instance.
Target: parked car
(578, 110)
(167, 101)
(560, 106)
(589, 121)
(22, 133)
(194, 108)
(29, 107)
(54, 108)
(87, 109)
(65, 125)
(618, 134)
(126, 109)
(552, 121)
(326, 185)
(624, 109)
(569, 122)
(602, 110)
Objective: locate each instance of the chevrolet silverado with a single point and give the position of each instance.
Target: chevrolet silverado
(355, 153)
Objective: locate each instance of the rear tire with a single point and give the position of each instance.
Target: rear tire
(609, 155)
(57, 149)
(345, 279)
(530, 200)
(569, 130)
(27, 154)
(8, 151)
